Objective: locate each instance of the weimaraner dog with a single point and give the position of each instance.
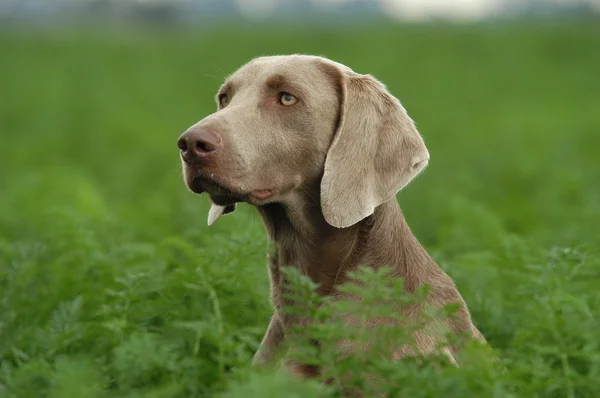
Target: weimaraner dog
(321, 152)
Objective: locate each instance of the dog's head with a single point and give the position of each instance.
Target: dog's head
(285, 122)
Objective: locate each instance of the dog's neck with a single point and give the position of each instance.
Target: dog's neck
(304, 240)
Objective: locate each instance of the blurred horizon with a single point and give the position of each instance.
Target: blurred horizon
(339, 11)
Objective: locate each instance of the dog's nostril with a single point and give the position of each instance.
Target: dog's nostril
(198, 142)
(182, 144)
(205, 146)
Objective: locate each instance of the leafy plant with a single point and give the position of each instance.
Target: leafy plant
(111, 285)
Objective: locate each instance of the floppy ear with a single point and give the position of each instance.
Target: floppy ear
(376, 151)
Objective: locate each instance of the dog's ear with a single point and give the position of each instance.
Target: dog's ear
(376, 151)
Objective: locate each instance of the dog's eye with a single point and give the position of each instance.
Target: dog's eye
(287, 99)
(223, 100)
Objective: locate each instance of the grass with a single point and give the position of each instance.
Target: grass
(112, 285)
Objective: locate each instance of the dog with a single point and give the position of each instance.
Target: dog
(320, 151)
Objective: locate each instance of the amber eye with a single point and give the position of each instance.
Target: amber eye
(223, 100)
(287, 99)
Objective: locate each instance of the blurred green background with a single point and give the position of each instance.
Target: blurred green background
(111, 284)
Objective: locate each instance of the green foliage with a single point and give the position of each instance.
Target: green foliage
(355, 355)
(275, 385)
(112, 285)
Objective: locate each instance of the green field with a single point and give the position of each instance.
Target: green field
(112, 285)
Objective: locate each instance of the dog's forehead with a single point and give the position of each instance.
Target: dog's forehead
(282, 63)
(260, 69)
(303, 69)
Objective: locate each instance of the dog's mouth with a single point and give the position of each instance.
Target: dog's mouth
(224, 198)
(219, 193)
(222, 194)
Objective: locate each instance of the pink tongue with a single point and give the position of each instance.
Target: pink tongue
(262, 193)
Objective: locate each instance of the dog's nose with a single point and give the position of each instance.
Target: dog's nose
(198, 142)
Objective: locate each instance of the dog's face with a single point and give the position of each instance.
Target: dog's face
(286, 122)
(275, 120)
